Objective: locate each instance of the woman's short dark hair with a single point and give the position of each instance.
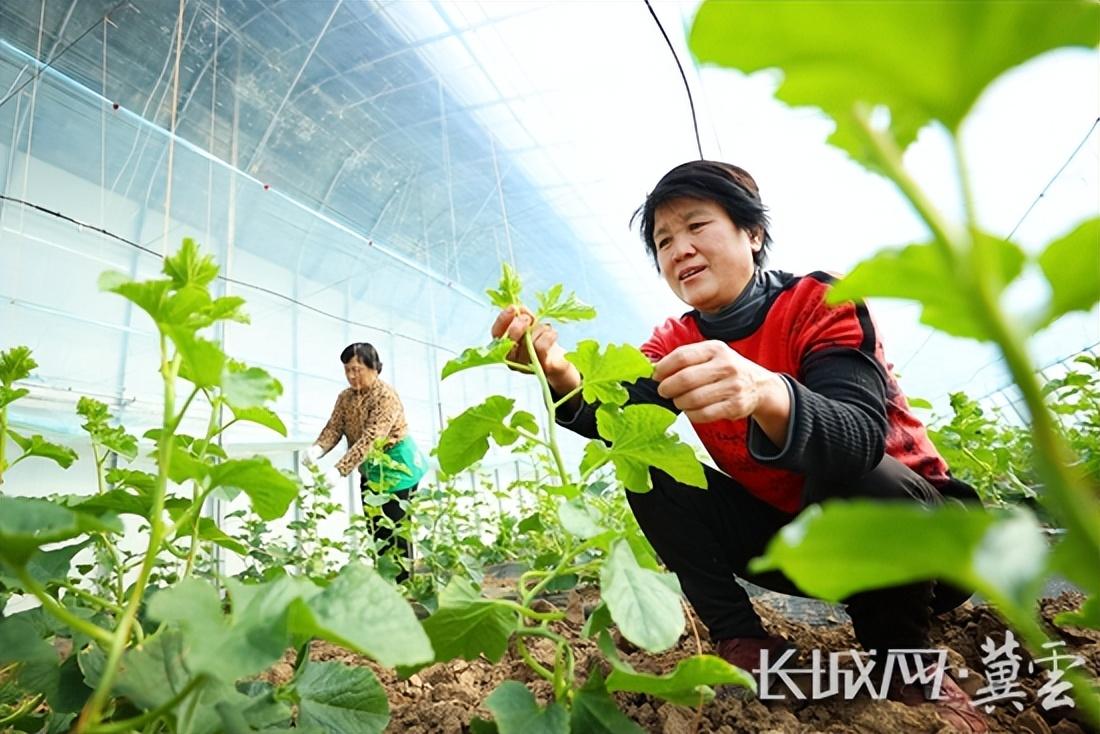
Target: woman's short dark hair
(732, 188)
(365, 353)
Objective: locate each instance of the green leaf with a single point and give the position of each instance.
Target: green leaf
(38, 446)
(919, 403)
(27, 524)
(150, 296)
(261, 416)
(495, 353)
(9, 395)
(920, 272)
(361, 610)
(646, 610)
(508, 291)
(1071, 265)
(580, 520)
(840, 548)
(602, 374)
(248, 387)
(639, 441)
(922, 62)
(516, 711)
(49, 567)
(465, 440)
(569, 308)
(143, 482)
(338, 698)
(594, 711)
(209, 531)
(97, 425)
(227, 648)
(687, 685)
(203, 361)
(189, 266)
(16, 364)
(36, 660)
(466, 626)
(598, 621)
(270, 490)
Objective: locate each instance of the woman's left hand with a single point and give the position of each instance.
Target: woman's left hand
(711, 381)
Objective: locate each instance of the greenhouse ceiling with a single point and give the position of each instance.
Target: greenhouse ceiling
(457, 135)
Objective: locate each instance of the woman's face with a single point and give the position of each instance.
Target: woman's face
(359, 375)
(705, 258)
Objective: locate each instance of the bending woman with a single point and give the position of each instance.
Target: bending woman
(367, 411)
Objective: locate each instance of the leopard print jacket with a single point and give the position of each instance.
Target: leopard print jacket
(363, 416)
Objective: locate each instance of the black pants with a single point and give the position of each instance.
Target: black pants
(385, 536)
(708, 536)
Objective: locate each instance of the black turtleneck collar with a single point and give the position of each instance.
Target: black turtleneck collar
(747, 312)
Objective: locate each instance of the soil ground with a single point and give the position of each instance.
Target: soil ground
(445, 697)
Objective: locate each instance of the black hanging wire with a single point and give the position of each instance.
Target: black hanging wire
(224, 278)
(61, 53)
(687, 87)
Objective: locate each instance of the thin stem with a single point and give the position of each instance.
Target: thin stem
(531, 613)
(93, 710)
(548, 400)
(90, 597)
(535, 665)
(568, 396)
(50, 604)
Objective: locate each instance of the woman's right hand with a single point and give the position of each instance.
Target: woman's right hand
(512, 323)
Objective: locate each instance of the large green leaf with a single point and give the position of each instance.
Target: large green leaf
(1072, 267)
(640, 441)
(50, 566)
(840, 548)
(580, 520)
(203, 361)
(687, 685)
(516, 711)
(150, 296)
(248, 387)
(27, 524)
(15, 364)
(466, 438)
(595, 712)
(553, 305)
(338, 698)
(361, 610)
(260, 416)
(270, 490)
(494, 353)
(225, 647)
(36, 445)
(602, 374)
(924, 61)
(921, 273)
(508, 291)
(647, 610)
(153, 674)
(467, 626)
(36, 660)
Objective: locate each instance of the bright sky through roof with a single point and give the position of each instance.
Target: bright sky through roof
(590, 96)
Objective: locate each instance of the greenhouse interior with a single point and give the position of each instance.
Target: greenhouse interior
(521, 366)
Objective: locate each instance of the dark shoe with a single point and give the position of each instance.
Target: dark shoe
(744, 652)
(952, 704)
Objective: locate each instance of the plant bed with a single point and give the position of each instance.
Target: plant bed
(447, 696)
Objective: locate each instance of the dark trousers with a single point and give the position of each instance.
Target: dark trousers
(384, 534)
(708, 536)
